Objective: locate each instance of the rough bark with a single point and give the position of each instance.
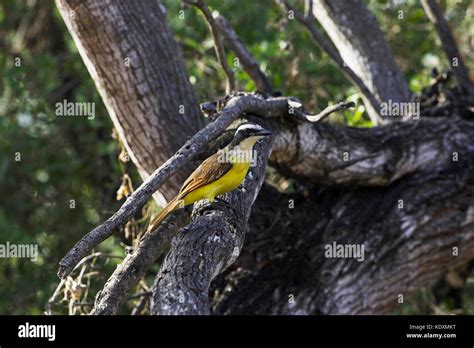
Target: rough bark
(335, 155)
(408, 230)
(141, 76)
(357, 36)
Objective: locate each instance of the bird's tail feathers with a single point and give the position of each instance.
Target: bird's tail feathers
(172, 205)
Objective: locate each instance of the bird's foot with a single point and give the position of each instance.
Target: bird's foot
(218, 199)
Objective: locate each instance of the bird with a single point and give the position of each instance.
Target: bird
(222, 172)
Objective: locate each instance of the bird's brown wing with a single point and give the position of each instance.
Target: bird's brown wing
(209, 171)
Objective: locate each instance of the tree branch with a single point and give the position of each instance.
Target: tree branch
(435, 15)
(355, 33)
(413, 232)
(219, 48)
(142, 79)
(249, 63)
(336, 155)
(329, 110)
(326, 46)
(135, 265)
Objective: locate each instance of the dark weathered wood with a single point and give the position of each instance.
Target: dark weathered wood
(283, 268)
(141, 78)
(337, 155)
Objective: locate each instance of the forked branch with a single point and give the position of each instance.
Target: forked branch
(326, 46)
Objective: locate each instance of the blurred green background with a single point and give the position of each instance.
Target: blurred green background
(67, 160)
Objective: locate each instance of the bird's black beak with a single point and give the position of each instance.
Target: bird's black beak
(263, 133)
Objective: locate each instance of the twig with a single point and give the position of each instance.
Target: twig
(219, 48)
(326, 46)
(93, 256)
(140, 294)
(137, 310)
(435, 15)
(308, 8)
(249, 63)
(328, 111)
(52, 299)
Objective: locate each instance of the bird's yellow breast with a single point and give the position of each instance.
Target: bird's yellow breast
(226, 183)
(230, 180)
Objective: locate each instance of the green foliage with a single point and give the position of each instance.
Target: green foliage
(423, 302)
(60, 159)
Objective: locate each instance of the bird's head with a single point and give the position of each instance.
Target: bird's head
(249, 133)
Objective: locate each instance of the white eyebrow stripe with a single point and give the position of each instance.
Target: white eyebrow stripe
(249, 126)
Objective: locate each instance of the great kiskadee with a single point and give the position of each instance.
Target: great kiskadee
(221, 173)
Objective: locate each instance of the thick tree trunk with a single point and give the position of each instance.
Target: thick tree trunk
(413, 231)
(357, 36)
(140, 74)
